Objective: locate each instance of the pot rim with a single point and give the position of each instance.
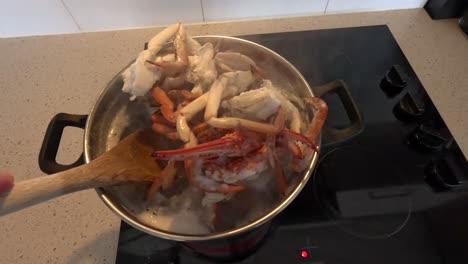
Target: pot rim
(126, 217)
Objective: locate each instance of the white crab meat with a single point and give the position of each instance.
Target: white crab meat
(233, 61)
(238, 82)
(292, 113)
(140, 77)
(257, 105)
(227, 85)
(202, 67)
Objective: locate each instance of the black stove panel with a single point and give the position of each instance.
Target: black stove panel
(391, 190)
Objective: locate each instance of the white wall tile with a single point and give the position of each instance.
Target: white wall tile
(337, 6)
(242, 9)
(93, 15)
(37, 17)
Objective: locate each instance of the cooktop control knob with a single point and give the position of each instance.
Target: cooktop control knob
(444, 174)
(409, 108)
(394, 81)
(426, 138)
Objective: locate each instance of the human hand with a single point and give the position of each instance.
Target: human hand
(6, 182)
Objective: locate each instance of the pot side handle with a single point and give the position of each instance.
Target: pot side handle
(51, 142)
(331, 135)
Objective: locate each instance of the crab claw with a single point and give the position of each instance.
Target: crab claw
(169, 66)
(292, 136)
(230, 145)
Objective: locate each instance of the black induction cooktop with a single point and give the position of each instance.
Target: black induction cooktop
(390, 186)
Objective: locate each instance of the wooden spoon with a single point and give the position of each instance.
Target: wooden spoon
(129, 161)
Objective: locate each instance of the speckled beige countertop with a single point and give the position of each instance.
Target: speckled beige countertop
(41, 76)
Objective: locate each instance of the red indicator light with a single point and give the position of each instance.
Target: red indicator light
(304, 254)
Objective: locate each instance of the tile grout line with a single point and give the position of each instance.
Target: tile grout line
(202, 11)
(70, 13)
(326, 7)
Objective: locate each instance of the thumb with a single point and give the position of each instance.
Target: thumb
(6, 182)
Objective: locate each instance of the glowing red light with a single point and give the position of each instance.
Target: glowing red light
(304, 254)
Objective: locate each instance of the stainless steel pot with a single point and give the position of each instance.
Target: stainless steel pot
(114, 116)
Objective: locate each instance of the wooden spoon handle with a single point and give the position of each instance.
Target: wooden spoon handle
(37, 190)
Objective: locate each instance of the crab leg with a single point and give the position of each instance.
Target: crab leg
(162, 126)
(168, 175)
(230, 145)
(241, 80)
(194, 107)
(180, 46)
(167, 106)
(277, 172)
(165, 130)
(157, 42)
(234, 122)
(186, 113)
(272, 154)
(320, 109)
(205, 150)
(164, 181)
(293, 136)
(154, 188)
(197, 90)
(245, 146)
(168, 66)
(211, 112)
(295, 150)
(183, 129)
(214, 97)
(157, 117)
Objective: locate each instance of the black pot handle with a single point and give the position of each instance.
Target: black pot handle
(51, 142)
(334, 135)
